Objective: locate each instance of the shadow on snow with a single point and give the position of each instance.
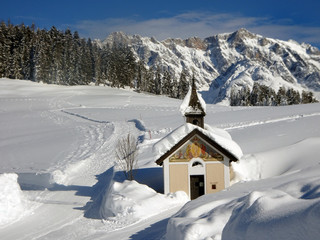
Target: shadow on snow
(155, 231)
(152, 177)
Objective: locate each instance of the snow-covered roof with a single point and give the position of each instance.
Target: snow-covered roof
(196, 108)
(220, 136)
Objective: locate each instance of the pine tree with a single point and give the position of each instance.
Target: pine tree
(150, 81)
(121, 66)
(157, 81)
(234, 97)
(245, 99)
(141, 81)
(14, 57)
(75, 76)
(281, 97)
(293, 97)
(255, 94)
(307, 97)
(43, 57)
(56, 41)
(167, 83)
(4, 50)
(27, 52)
(130, 67)
(86, 62)
(98, 62)
(183, 85)
(174, 88)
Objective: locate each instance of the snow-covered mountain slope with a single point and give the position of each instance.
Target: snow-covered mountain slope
(230, 60)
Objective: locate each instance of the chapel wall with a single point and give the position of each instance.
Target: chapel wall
(179, 178)
(214, 177)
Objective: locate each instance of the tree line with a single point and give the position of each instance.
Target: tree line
(62, 57)
(261, 95)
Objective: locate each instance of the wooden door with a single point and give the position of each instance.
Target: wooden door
(196, 186)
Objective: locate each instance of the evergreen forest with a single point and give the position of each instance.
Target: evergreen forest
(62, 57)
(261, 95)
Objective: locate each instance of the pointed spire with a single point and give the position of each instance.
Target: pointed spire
(193, 106)
(196, 105)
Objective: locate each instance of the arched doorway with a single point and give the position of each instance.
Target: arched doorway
(196, 186)
(197, 178)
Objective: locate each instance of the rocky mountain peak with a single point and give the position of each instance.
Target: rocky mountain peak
(118, 37)
(233, 60)
(193, 42)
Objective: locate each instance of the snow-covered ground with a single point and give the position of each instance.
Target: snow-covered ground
(57, 174)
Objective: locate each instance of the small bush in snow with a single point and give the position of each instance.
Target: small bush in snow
(126, 153)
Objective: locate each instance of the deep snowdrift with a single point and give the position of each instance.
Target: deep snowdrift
(13, 203)
(135, 201)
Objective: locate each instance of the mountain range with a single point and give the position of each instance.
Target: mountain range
(229, 61)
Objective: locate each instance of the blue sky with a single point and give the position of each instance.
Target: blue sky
(291, 19)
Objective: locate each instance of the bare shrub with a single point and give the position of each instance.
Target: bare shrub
(126, 154)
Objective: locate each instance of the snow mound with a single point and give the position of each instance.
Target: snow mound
(65, 176)
(273, 215)
(137, 201)
(13, 203)
(184, 107)
(218, 135)
(278, 161)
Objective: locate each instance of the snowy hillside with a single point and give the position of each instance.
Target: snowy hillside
(227, 61)
(59, 179)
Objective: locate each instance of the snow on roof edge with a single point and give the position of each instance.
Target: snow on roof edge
(218, 135)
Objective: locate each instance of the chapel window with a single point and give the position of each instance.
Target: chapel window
(197, 164)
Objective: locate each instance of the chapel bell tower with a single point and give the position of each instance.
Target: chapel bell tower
(195, 111)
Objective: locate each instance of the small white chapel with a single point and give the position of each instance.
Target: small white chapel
(196, 158)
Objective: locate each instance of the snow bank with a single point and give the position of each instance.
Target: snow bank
(65, 176)
(13, 204)
(218, 135)
(283, 205)
(274, 214)
(137, 201)
(199, 219)
(278, 161)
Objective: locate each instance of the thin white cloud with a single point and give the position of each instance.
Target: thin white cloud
(285, 32)
(200, 24)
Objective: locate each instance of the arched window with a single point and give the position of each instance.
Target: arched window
(197, 164)
(197, 167)
(195, 122)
